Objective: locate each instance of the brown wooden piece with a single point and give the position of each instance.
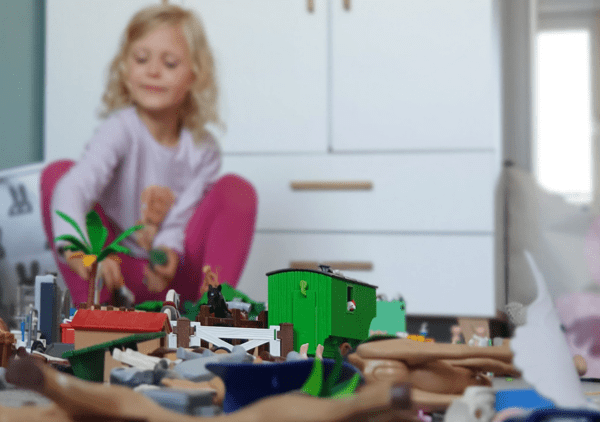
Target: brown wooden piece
(183, 330)
(435, 369)
(286, 335)
(7, 340)
(3, 326)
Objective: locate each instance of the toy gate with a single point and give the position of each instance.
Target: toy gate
(316, 302)
(279, 337)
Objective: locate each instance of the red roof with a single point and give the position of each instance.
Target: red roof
(127, 321)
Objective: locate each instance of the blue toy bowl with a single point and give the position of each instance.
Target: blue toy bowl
(246, 383)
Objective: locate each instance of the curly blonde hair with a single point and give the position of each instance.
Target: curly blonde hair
(200, 107)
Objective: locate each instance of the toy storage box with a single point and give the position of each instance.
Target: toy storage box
(24, 252)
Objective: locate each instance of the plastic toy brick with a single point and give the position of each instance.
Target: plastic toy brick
(390, 319)
(67, 333)
(135, 359)
(522, 398)
(126, 321)
(189, 402)
(197, 370)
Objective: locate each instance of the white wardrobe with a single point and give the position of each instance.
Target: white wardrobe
(371, 130)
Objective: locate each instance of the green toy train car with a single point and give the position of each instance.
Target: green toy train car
(325, 307)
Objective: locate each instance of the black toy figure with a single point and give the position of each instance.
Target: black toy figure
(217, 303)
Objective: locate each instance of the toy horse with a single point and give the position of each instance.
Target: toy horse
(217, 303)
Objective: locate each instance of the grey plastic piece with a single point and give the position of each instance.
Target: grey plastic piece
(131, 377)
(195, 369)
(188, 402)
(4, 385)
(293, 356)
(187, 355)
(57, 349)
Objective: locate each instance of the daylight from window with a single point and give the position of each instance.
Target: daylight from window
(563, 156)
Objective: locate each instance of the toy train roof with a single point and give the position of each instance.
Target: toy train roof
(327, 273)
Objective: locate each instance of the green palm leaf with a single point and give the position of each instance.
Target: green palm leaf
(75, 226)
(96, 231)
(77, 245)
(334, 375)
(346, 388)
(125, 234)
(112, 250)
(314, 383)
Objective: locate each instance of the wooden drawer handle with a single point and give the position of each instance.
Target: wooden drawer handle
(335, 265)
(334, 185)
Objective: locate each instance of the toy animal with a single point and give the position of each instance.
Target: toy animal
(217, 303)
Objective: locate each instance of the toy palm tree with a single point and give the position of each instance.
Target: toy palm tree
(92, 252)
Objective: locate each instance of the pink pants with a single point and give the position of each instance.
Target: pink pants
(218, 234)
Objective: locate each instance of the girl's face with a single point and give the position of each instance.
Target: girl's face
(159, 70)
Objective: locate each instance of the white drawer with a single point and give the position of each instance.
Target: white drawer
(431, 192)
(437, 275)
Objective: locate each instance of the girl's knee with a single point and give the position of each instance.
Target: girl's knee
(52, 173)
(237, 190)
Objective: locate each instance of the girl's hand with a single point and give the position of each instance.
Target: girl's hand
(145, 236)
(76, 264)
(110, 271)
(156, 203)
(159, 279)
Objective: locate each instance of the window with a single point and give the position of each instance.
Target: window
(564, 148)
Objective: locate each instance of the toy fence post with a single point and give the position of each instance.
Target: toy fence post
(6, 341)
(286, 336)
(202, 318)
(262, 317)
(183, 332)
(237, 317)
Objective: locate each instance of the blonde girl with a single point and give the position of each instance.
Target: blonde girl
(153, 161)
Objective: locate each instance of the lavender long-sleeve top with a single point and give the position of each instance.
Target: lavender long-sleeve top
(119, 162)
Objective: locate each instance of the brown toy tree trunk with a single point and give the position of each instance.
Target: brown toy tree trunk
(92, 285)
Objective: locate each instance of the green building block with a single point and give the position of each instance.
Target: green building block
(391, 317)
(88, 363)
(316, 302)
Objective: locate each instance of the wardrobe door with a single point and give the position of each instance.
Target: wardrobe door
(82, 38)
(415, 75)
(271, 59)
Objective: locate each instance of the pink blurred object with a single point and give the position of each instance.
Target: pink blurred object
(580, 316)
(592, 250)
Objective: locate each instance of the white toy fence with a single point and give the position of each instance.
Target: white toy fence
(255, 337)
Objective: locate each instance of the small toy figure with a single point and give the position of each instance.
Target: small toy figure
(424, 330)
(479, 338)
(217, 303)
(211, 278)
(351, 305)
(457, 335)
(171, 305)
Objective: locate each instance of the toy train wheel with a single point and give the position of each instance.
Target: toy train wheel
(345, 349)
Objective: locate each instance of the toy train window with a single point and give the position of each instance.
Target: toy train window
(349, 300)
